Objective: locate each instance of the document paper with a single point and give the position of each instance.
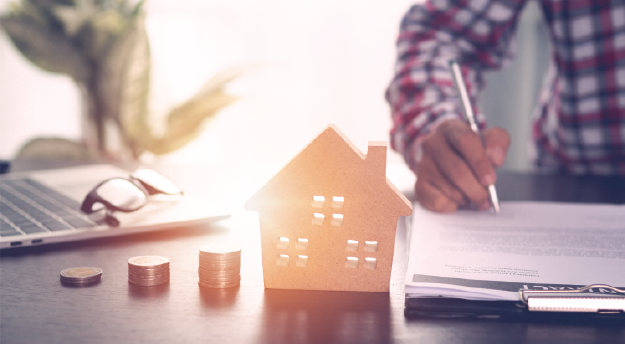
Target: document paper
(529, 245)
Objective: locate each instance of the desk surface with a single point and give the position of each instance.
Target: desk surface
(36, 308)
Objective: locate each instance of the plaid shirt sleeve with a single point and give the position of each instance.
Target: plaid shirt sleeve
(477, 33)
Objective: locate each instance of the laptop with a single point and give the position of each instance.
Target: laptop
(43, 207)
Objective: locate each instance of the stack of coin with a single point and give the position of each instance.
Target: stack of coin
(220, 266)
(81, 276)
(147, 271)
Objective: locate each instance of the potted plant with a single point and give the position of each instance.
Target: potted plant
(103, 46)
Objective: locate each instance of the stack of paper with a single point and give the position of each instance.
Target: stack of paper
(530, 245)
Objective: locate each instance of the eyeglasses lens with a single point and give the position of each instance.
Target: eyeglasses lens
(156, 181)
(122, 194)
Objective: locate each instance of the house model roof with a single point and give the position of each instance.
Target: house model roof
(319, 213)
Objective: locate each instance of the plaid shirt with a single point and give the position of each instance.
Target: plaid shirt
(579, 123)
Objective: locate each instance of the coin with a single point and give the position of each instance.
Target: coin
(148, 271)
(211, 267)
(226, 259)
(81, 275)
(219, 285)
(214, 281)
(223, 251)
(219, 278)
(147, 283)
(148, 277)
(147, 262)
(220, 266)
(216, 273)
(226, 262)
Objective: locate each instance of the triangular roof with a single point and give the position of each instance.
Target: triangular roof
(331, 158)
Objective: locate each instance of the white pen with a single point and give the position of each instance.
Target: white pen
(468, 111)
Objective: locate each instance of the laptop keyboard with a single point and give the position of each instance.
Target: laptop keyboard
(27, 206)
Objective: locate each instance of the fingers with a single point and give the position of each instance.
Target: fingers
(455, 166)
(431, 198)
(497, 142)
(432, 176)
(470, 148)
(457, 152)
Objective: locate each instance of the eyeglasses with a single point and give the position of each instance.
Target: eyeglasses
(127, 194)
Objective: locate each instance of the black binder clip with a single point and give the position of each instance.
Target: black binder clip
(609, 300)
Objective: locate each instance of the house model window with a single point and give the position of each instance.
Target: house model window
(337, 202)
(283, 243)
(352, 246)
(317, 219)
(302, 244)
(370, 263)
(311, 238)
(301, 261)
(283, 260)
(371, 246)
(351, 263)
(318, 201)
(337, 220)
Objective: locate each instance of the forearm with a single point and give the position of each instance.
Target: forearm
(422, 93)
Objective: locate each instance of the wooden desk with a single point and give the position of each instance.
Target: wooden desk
(36, 308)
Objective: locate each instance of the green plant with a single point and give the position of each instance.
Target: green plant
(103, 46)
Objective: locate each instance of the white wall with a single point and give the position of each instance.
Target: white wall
(33, 102)
(510, 95)
(309, 63)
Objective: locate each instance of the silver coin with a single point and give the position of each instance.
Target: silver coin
(149, 262)
(219, 267)
(219, 274)
(220, 251)
(139, 277)
(148, 283)
(219, 282)
(215, 273)
(147, 271)
(219, 285)
(219, 260)
(81, 275)
(148, 277)
(79, 282)
(221, 263)
(209, 279)
(209, 255)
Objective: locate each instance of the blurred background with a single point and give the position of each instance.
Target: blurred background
(301, 65)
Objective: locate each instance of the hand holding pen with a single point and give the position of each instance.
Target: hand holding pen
(456, 165)
(456, 74)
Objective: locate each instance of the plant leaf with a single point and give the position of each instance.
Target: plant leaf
(187, 121)
(124, 85)
(48, 50)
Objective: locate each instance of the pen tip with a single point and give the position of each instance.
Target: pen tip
(497, 208)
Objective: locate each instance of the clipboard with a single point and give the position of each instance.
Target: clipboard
(555, 305)
(575, 301)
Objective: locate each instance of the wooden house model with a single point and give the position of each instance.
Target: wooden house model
(328, 218)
